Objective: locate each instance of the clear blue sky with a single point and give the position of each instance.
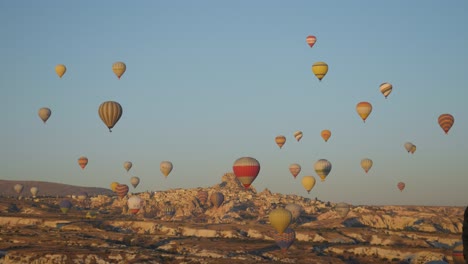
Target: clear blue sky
(208, 82)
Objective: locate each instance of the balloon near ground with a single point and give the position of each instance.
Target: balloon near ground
(246, 170)
(119, 68)
(44, 114)
(121, 190)
(110, 113)
(364, 109)
(342, 209)
(134, 204)
(217, 199)
(280, 219)
(308, 182)
(286, 239)
(320, 69)
(34, 191)
(202, 196)
(65, 205)
(446, 122)
(295, 210)
(60, 69)
(18, 188)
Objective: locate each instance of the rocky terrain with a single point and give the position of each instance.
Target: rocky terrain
(100, 229)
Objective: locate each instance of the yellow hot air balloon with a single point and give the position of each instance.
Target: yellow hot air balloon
(298, 135)
(110, 113)
(364, 109)
(386, 89)
(366, 164)
(320, 69)
(326, 134)
(119, 68)
(280, 140)
(308, 182)
(413, 149)
(322, 168)
(166, 168)
(60, 69)
(44, 113)
(280, 219)
(113, 185)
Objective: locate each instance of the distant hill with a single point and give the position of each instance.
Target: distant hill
(48, 189)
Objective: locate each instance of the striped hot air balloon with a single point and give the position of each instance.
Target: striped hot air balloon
(286, 239)
(82, 161)
(401, 186)
(60, 69)
(280, 140)
(446, 122)
(298, 135)
(295, 169)
(65, 205)
(322, 168)
(320, 69)
(246, 170)
(326, 134)
(44, 113)
(308, 182)
(121, 190)
(386, 89)
(119, 68)
(366, 164)
(364, 109)
(280, 219)
(217, 199)
(311, 40)
(110, 113)
(202, 197)
(134, 204)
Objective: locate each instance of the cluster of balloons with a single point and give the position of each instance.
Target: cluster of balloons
(18, 188)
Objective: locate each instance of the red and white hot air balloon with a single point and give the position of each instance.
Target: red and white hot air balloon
(401, 186)
(311, 40)
(83, 161)
(246, 170)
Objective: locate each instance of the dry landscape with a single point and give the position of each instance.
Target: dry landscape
(100, 229)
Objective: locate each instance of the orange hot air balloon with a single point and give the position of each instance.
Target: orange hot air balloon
(364, 109)
(83, 161)
(311, 40)
(326, 134)
(401, 186)
(246, 170)
(280, 140)
(446, 122)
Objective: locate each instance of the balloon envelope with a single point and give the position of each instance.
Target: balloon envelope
(322, 168)
(127, 165)
(408, 146)
(295, 169)
(308, 182)
(134, 181)
(280, 219)
(217, 199)
(446, 122)
(342, 209)
(65, 205)
(280, 140)
(286, 239)
(60, 69)
(202, 197)
(121, 190)
(119, 68)
(18, 188)
(295, 210)
(364, 109)
(401, 186)
(298, 135)
(326, 134)
(134, 204)
(311, 40)
(386, 89)
(110, 113)
(82, 161)
(366, 164)
(113, 185)
(44, 113)
(246, 170)
(165, 167)
(320, 69)
(34, 191)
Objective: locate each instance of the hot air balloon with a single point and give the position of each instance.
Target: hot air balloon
(308, 182)
(82, 196)
(297, 135)
(18, 188)
(119, 68)
(366, 164)
(320, 69)
(110, 113)
(322, 168)
(166, 168)
(127, 165)
(446, 122)
(408, 146)
(342, 209)
(280, 219)
(82, 161)
(113, 185)
(386, 89)
(295, 210)
(326, 134)
(134, 181)
(311, 40)
(60, 69)
(401, 186)
(44, 113)
(413, 149)
(169, 210)
(217, 199)
(280, 140)
(202, 197)
(65, 205)
(295, 169)
(246, 170)
(364, 109)
(457, 254)
(285, 239)
(121, 190)
(134, 204)
(34, 191)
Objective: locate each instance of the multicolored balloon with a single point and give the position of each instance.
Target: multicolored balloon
(110, 113)
(446, 122)
(401, 186)
(320, 69)
(364, 109)
(322, 168)
(217, 199)
(297, 135)
(65, 205)
(202, 197)
(386, 89)
(119, 68)
(121, 190)
(60, 69)
(280, 140)
(286, 239)
(308, 182)
(44, 113)
(311, 40)
(246, 170)
(134, 204)
(295, 169)
(325, 134)
(82, 161)
(165, 167)
(366, 164)
(280, 219)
